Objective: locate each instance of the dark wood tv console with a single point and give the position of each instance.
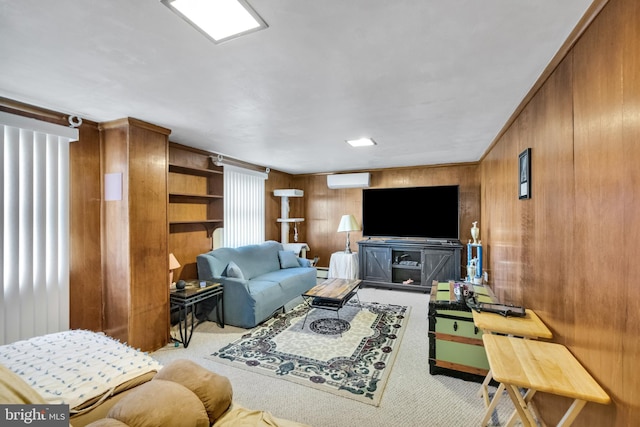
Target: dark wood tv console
(408, 264)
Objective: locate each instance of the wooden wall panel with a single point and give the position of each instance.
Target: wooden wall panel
(149, 309)
(601, 189)
(500, 216)
(186, 247)
(85, 244)
(627, 289)
(136, 266)
(553, 202)
(572, 243)
(115, 231)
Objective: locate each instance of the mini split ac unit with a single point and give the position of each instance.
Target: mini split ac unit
(349, 180)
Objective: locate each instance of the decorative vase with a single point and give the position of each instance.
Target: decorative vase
(475, 232)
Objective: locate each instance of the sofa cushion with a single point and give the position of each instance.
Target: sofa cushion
(255, 260)
(214, 390)
(288, 259)
(233, 270)
(160, 403)
(288, 276)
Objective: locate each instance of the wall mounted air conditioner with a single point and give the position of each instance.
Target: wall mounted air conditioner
(349, 180)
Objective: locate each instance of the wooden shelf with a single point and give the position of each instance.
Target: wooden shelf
(195, 205)
(193, 198)
(202, 221)
(407, 267)
(187, 226)
(193, 171)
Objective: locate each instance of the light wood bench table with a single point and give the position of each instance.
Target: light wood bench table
(529, 327)
(540, 366)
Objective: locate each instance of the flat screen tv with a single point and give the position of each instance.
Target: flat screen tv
(430, 213)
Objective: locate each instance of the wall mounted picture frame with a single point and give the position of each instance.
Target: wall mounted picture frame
(524, 177)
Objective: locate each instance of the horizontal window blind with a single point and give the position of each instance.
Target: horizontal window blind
(244, 209)
(34, 224)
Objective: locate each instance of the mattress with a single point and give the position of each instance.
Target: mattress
(78, 367)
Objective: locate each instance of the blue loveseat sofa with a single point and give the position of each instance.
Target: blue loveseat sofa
(258, 280)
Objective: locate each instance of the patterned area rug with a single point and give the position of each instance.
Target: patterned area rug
(349, 353)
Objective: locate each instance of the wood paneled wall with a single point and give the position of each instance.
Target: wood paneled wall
(567, 252)
(85, 242)
(323, 207)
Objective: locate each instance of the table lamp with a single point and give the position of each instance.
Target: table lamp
(348, 223)
(173, 264)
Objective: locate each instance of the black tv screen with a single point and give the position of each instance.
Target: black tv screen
(418, 212)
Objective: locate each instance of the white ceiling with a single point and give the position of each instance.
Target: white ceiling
(432, 81)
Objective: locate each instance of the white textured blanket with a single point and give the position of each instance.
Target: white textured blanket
(74, 366)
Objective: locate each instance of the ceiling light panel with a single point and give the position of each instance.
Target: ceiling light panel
(219, 20)
(362, 142)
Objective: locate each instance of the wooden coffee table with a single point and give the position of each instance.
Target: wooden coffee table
(332, 294)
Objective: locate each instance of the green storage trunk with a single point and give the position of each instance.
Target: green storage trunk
(455, 344)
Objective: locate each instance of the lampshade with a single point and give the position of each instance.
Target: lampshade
(348, 223)
(173, 262)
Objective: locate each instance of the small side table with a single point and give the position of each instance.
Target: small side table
(540, 366)
(528, 327)
(185, 300)
(343, 265)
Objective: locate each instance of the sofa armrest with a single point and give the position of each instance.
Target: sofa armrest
(209, 267)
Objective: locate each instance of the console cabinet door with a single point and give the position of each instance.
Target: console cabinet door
(377, 264)
(440, 265)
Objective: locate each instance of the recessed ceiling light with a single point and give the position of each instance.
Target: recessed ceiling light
(219, 20)
(362, 142)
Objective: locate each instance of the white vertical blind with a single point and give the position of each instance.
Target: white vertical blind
(244, 209)
(34, 224)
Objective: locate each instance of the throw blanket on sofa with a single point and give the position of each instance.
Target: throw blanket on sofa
(75, 366)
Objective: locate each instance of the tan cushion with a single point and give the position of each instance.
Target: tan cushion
(14, 390)
(107, 422)
(238, 416)
(214, 390)
(160, 403)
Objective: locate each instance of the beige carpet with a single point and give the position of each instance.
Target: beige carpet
(412, 397)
